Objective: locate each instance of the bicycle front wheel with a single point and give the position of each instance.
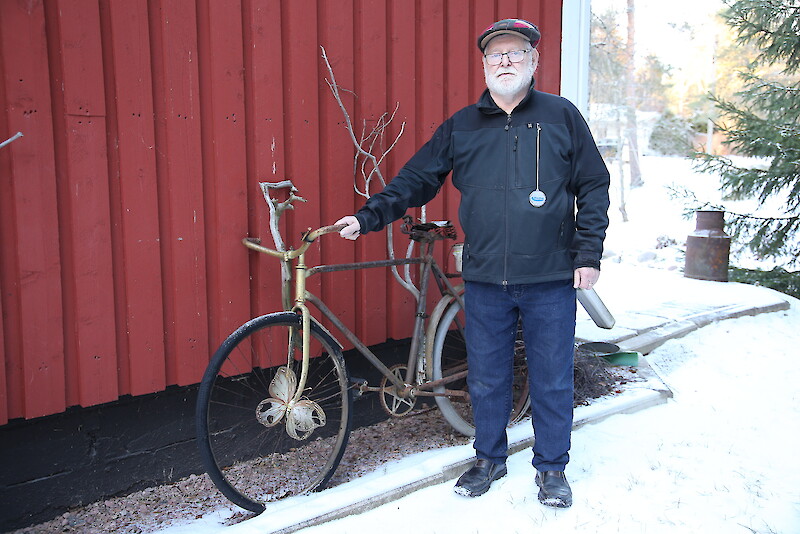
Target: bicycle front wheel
(450, 361)
(256, 444)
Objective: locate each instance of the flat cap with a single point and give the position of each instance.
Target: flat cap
(518, 27)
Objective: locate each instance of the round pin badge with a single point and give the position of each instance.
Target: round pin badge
(537, 199)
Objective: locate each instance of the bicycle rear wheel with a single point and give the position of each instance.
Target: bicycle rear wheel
(450, 358)
(244, 426)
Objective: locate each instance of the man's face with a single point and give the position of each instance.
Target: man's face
(509, 79)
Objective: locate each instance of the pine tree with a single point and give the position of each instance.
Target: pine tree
(763, 121)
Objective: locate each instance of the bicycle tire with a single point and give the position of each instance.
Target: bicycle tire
(249, 462)
(450, 357)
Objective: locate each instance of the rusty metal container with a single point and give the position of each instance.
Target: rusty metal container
(708, 248)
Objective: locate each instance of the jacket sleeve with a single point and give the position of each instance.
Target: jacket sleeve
(415, 185)
(589, 183)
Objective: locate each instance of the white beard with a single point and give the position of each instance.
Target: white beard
(509, 86)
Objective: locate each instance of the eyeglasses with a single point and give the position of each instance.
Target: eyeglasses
(514, 56)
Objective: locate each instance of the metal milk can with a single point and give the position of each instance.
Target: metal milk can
(708, 248)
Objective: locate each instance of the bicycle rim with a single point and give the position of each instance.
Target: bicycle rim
(450, 358)
(252, 463)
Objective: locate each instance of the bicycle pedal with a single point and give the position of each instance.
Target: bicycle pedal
(357, 385)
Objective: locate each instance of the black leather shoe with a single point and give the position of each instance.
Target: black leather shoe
(553, 489)
(477, 480)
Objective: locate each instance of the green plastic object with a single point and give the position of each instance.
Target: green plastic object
(629, 358)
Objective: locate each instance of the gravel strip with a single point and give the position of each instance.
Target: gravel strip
(369, 447)
(195, 496)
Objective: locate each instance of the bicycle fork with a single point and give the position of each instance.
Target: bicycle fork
(301, 415)
(299, 305)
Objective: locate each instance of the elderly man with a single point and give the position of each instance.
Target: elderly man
(534, 201)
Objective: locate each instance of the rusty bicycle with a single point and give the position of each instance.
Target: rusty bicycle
(274, 407)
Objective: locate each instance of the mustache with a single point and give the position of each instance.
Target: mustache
(504, 70)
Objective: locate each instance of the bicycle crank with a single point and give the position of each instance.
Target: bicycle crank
(396, 403)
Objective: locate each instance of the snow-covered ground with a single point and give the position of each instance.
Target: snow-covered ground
(656, 213)
(721, 456)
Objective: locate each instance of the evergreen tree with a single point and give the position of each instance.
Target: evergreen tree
(763, 121)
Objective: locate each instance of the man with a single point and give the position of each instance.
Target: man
(523, 161)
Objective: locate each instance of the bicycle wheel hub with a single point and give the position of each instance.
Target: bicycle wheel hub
(302, 416)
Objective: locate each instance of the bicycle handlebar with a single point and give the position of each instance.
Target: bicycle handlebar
(254, 243)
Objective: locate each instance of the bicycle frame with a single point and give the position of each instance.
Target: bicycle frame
(403, 388)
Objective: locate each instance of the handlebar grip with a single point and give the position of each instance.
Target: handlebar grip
(311, 236)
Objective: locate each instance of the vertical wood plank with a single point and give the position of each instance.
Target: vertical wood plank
(485, 14)
(381, 298)
(459, 89)
(372, 79)
(507, 9)
(3, 387)
(90, 349)
(224, 164)
(549, 73)
(300, 51)
(266, 160)
(432, 31)
(404, 86)
(6, 237)
(135, 192)
(337, 35)
(179, 166)
(31, 273)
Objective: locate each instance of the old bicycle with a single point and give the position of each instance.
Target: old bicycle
(274, 407)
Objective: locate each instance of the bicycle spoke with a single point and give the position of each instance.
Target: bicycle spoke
(252, 463)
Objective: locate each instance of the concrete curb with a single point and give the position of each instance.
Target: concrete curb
(648, 340)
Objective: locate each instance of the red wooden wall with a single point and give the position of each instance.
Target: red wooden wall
(148, 124)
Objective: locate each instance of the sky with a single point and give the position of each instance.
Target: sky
(720, 456)
(671, 30)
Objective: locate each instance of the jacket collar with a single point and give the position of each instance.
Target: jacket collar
(488, 106)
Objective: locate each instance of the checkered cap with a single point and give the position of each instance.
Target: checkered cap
(518, 27)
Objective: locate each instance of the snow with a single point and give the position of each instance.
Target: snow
(720, 456)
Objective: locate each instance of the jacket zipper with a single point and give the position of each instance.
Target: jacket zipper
(509, 178)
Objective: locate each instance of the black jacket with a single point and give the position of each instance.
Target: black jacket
(493, 158)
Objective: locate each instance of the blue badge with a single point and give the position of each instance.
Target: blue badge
(537, 199)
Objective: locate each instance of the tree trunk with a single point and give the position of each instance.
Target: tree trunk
(630, 101)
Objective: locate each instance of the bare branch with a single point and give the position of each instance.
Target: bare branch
(369, 167)
(10, 139)
(276, 210)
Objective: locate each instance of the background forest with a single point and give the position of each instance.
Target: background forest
(716, 81)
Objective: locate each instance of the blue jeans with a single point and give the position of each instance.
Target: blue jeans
(547, 312)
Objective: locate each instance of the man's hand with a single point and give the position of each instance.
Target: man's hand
(353, 228)
(585, 277)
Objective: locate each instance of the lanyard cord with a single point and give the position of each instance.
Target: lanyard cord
(538, 135)
(537, 198)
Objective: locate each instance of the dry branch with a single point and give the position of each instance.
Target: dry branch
(366, 145)
(276, 209)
